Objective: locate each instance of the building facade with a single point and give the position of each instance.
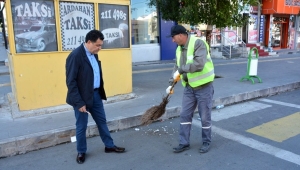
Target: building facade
(149, 30)
(282, 24)
(148, 34)
(41, 35)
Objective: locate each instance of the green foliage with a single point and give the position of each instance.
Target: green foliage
(221, 13)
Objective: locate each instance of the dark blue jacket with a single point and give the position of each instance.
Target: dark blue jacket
(80, 79)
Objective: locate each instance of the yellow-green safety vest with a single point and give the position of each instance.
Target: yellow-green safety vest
(197, 78)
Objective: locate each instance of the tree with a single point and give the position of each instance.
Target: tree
(221, 13)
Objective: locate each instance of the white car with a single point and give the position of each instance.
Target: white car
(37, 37)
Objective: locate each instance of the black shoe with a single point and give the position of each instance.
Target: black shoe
(181, 148)
(80, 158)
(205, 147)
(115, 149)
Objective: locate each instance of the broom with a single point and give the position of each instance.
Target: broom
(157, 111)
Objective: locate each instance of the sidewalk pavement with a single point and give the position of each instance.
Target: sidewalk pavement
(21, 135)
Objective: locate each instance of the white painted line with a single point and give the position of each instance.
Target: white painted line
(4, 84)
(151, 70)
(237, 110)
(280, 103)
(220, 64)
(263, 147)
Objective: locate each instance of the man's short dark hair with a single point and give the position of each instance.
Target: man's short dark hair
(94, 35)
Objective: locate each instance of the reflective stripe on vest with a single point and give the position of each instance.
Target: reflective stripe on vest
(197, 78)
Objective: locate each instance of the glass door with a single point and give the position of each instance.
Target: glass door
(276, 35)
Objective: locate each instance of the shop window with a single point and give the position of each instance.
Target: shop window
(144, 23)
(31, 22)
(292, 2)
(113, 22)
(76, 20)
(252, 29)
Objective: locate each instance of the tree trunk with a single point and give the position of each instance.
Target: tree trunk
(208, 37)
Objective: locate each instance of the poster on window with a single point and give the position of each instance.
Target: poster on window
(34, 25)
(252, 36)
(232, 36)
(114, 25)
(292, 38)
(76, 20)
(252, 29)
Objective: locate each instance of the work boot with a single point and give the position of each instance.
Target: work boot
(204, 148)
(181, 148)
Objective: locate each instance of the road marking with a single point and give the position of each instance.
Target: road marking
(4, 84)
(232, 63)
(261, 61)
(237, 110)
(280, 129)
(151, 70)
(280, 103)
(263, 147)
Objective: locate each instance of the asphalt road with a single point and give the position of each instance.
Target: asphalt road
(260, 134)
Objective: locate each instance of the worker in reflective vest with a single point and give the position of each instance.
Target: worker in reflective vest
(195, 69)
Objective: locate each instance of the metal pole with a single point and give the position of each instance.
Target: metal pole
(297, 29)
(258, 19)
(230, 51)
(270, 34)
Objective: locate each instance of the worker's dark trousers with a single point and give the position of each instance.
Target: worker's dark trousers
(191, 98)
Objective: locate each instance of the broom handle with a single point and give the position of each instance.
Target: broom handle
(172, 86)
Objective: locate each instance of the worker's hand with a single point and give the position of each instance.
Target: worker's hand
(169, 91)
(176, 76)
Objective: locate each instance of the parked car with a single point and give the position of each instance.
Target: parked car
(36, 38)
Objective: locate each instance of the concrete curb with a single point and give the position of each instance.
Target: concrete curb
(16, 113)
(27, 143)
(288, 52)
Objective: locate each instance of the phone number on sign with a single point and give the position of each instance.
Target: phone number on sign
(117, 15)
(75, 40)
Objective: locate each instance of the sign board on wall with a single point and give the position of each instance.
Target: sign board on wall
(232, 36)
(252, 29)
(34, 25)
(261, 28)
(76, 20)
(113, 24)
(292, 38)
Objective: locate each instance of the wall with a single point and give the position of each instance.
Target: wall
(145, 52)
(279, 7)
(168, 47)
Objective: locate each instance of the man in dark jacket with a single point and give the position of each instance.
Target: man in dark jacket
(86, 91)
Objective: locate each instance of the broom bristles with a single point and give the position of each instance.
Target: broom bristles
(155, 112)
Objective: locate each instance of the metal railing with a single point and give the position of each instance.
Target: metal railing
(230, 43)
